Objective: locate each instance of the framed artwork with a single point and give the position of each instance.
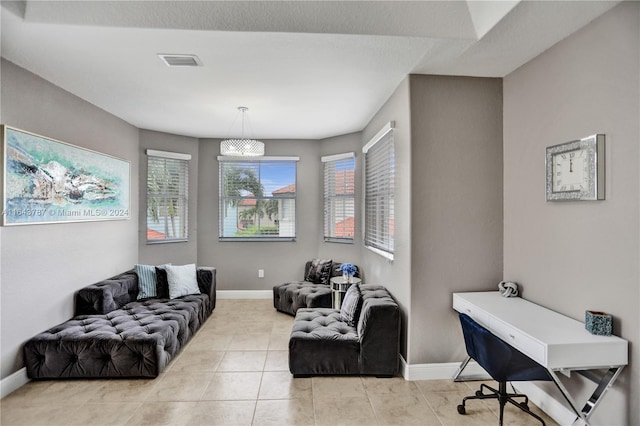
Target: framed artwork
(49, 181)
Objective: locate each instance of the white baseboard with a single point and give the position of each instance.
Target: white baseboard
(13, 382)
(551, 406)
(554, 408)
(244, 294)
(440, 371)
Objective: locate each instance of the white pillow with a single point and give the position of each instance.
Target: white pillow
(182, 280)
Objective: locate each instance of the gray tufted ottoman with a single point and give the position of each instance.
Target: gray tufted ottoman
(291, 296)
(322, 344)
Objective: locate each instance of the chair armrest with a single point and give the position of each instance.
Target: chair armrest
(207, 283)
(107, 295)
(379, 331)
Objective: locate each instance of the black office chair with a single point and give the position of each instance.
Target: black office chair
(503, 362)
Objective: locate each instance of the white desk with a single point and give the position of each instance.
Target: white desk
(556, 342)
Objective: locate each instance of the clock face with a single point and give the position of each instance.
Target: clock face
(575, 170)
(571, 171)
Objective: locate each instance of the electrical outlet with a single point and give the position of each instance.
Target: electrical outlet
(260, 273)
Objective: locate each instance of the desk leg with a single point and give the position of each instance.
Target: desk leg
(603, 386)
(463, 364)
(479, 375)
(566, 395)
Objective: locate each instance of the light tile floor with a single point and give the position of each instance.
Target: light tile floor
(235, 372)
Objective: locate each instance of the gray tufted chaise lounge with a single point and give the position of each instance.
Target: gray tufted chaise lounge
(321, 343)
(290, 297)
(114, 335)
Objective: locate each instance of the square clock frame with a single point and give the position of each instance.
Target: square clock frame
(575, 170)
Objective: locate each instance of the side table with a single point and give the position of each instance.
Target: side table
(339, 286)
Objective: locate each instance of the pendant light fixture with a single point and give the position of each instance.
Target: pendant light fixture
(242, 147)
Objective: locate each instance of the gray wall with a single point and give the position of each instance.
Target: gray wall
(456, 205)
(575, 256)
(396, 275)
(43, 265)
(448, 205)
(238, 262)
(176, 253)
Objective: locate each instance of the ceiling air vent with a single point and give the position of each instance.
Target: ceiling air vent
(180, 60)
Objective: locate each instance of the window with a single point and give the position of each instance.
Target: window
(379, 225)
(339, 197)
(167, 196)
(257, 199)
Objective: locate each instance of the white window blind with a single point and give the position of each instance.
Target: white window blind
(257, 199)
(339, 197)
(167, 196)
(379, 225)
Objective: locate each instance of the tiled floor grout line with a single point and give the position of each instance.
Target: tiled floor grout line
(426, 400)
(375, 412)
(134, 412)
(313, 404)
(255, 405)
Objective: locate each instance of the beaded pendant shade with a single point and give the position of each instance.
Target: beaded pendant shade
(242, 147)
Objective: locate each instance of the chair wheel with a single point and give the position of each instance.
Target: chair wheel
(461, 409)
(479, 393)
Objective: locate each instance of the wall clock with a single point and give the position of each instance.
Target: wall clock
(575, 170)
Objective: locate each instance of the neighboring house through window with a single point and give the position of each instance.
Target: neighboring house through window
(379, 226)
(167, 196)
(339, 197)
(257, 198)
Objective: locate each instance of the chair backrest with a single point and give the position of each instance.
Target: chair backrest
(502, 361)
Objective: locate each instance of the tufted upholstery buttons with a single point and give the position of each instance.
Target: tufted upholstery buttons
(322, 344)
(133, 333)
(292, 296)
(114, 335)
(318, 323)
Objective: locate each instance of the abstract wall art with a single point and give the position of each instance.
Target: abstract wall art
(48, 181)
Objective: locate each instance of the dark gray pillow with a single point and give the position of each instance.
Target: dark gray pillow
(351, 305)
(162, 283)
(320, 271)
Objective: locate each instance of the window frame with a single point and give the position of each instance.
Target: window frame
(222, 198)
(328, 199)
(385, 249)
(181, 193)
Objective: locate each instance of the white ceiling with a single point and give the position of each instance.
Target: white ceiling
(305, 69)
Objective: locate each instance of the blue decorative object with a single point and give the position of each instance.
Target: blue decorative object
(348, 269)
(599, 323)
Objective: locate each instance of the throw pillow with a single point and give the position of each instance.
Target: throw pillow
(182, 280)
(162, 285)
(351, 305)
(319, 271)
(146, 281)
